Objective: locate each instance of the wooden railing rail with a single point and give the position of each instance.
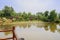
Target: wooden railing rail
(5, 30)
(13, 32)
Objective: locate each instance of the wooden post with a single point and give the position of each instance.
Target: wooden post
(13, 31)
(14, 35)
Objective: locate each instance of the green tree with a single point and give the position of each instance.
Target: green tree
(59, 16)
(39, 15)
(29, 15)
(46, 14)
(52, 16)
(1, 13)
(8, 11)
(24, 15)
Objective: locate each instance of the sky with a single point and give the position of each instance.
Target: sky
(31, 5)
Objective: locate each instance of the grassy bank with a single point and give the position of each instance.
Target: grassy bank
(20, 22)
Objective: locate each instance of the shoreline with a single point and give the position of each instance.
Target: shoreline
(22, 22)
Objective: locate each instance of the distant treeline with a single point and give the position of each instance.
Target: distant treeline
(9, 13)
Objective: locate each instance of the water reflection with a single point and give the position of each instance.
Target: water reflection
(5, 27)
(53, 27)
(47, 26)
(35, 31)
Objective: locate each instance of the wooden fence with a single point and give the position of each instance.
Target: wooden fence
(13, 32)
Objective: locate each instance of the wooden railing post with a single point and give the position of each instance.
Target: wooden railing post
(13, 31)
(14, 35)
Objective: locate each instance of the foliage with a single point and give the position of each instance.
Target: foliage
(9, 13)
(53, 16)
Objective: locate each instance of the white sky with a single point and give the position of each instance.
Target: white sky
(33, 5)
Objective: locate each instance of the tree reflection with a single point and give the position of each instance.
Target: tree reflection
(58, 30)
(47, 26)
(40, 25)
(5, 27)
(53, 27)
(29, 25)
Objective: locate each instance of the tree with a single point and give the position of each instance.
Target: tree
(24, 15)
(8, 11)
(46, 13)
(46, 16)
(1, 13)
(52, 16)
(39, 15)
(29, 15)
(59, 16)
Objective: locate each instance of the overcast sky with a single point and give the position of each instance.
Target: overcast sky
(31, 5)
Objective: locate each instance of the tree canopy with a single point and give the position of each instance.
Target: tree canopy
(8, 12)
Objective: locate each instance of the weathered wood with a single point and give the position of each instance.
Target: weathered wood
(13, 31)
(6, 38)
(14, 35)
(5, 30)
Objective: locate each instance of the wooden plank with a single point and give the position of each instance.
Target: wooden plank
(7, 38)
(5, 30)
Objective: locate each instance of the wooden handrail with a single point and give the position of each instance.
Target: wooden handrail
(13, 31)
(7, 38)
(5, 30)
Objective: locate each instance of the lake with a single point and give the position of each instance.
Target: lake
(34, 31)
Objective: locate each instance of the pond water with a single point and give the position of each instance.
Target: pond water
(34, 31)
